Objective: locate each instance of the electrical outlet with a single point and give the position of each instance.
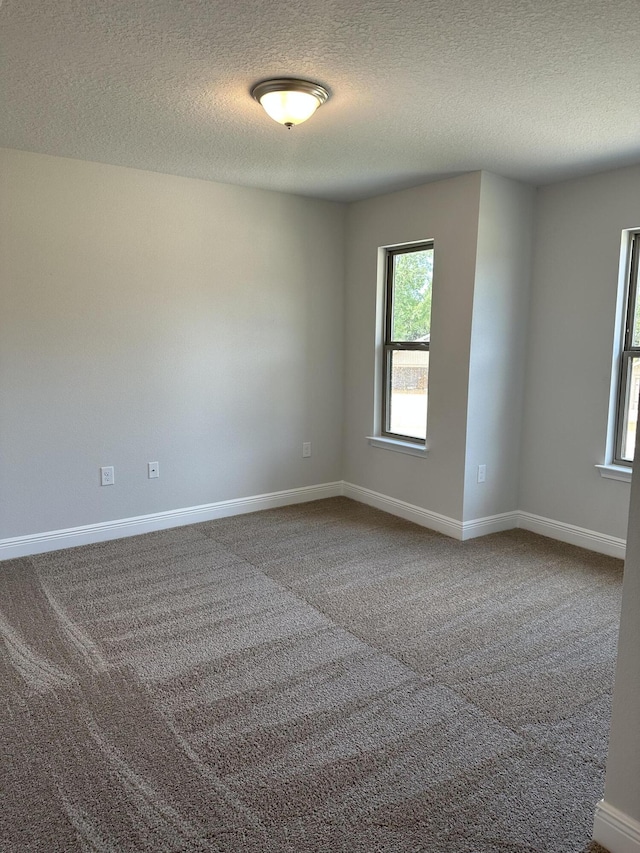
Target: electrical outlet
(482, 473)
(153, 470)
(106, 475)
(306, 449)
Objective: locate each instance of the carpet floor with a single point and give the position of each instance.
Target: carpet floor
(322, 677)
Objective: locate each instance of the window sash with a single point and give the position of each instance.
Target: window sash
(389, 349)
(388, 303)
(624, 404)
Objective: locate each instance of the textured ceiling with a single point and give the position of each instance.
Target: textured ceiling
(421, 89)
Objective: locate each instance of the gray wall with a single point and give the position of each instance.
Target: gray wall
(482, 225)
(498, 346)
(147, 317)
(447, 212)
(571, 334)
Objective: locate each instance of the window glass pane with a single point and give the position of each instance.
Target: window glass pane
(408, 397)
(412, 278)
(631, 411)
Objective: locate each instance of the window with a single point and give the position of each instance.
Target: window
(407, 333)
(629, 388)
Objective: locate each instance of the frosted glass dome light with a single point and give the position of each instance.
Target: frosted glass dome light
(289, 102)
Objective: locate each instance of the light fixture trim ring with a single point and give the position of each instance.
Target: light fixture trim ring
(290, 84)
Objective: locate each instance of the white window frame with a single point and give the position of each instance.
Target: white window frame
(382, 438)
(615, 466)
(628, 352)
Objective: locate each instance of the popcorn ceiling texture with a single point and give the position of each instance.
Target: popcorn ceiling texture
(536, 91)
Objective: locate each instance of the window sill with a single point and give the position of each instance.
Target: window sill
(399, 446)
(615, 472)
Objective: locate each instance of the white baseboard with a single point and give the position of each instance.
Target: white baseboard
(615, 830)
(490, 524)
(433, 520)
(411, 512)
(23, 546)
(54, 540)
(590, 539)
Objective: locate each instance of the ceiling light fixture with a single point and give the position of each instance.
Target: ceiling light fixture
(290, 101)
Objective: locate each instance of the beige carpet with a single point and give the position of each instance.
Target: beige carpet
(322, 677)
